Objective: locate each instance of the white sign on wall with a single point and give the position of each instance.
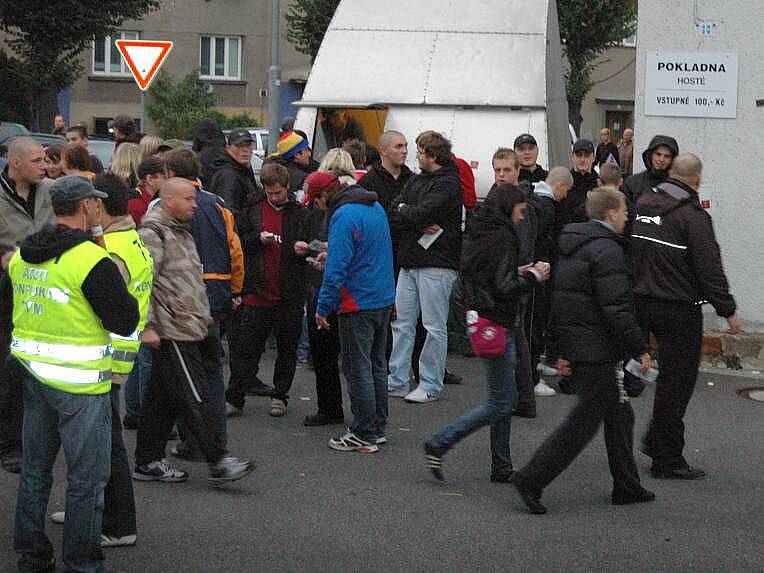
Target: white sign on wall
(691, 84)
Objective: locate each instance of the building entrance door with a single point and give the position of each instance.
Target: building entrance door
(616, 122)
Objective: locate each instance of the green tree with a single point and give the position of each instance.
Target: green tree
(48, 38)
(14, 106)
(176, 109)
(586, 30)
(308, 21)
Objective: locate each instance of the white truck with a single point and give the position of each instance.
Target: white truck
(480, 72)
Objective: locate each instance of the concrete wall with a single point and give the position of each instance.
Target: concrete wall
(731, 149)
(183, 22)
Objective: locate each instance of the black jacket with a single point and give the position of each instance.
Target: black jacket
(605, 150)
(640, 183)
(209, 145)
(674, 250)
(313, 227)
(543, 208)
(592, 303)
(234, 182)
(494, 295)
(429, 198)
(103, 288)
(384, 184)
(538, 174)
(250, 224)
(573, 208)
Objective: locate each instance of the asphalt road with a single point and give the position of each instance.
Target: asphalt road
(308, 508)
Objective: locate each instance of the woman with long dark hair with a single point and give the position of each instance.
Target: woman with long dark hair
(492, 288)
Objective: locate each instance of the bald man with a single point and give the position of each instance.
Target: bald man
(677, 268)
(177, 332)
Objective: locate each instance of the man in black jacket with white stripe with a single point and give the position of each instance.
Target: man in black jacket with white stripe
(677, 268)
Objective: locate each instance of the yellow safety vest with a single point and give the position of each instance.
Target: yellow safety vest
(56, 334)
(129, 247)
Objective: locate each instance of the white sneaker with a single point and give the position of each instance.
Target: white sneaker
(419, 396)
(546, 370)
(111, 541)
(393, 393)
(542, 389)
(58, 517)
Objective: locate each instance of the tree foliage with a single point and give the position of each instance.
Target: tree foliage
(586, 30)
(176, 109)
(48, 37)
(308, 21)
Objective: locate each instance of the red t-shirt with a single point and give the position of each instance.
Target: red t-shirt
(271, 291)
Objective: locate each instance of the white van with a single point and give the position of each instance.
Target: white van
(481, 73)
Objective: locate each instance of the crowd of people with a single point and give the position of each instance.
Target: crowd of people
(133, 276)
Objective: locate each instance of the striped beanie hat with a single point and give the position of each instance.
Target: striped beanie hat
(290, 144)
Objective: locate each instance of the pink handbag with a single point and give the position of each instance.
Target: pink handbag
(487, 337)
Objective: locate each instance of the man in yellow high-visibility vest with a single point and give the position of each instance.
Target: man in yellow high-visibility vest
(67, 297)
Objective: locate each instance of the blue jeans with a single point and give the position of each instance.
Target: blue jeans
(137, 381)
(82, 425)
(429, 291)
(497, 411)
(303, 346)
(363, 339)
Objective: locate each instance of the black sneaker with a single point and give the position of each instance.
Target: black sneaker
(642, 496)
(531, 499)
(159, 471)
(434, 460)
(258, 388)
(451, 378)
(685, 473)
(321, 419)
(229, 469)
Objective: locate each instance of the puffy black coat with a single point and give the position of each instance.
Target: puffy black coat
(592, 304)
(429, 198)
(674, 250)
(538, 174)
(234, 182)
(643, 182)
(384, 184)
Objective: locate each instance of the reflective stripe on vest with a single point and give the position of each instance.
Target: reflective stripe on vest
(69, 375)
(60, 352)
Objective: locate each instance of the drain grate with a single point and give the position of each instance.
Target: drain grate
(755, 393)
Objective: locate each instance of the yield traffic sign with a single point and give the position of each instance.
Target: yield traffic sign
(144, 57)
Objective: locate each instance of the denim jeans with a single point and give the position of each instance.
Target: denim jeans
(137, 381)
(303, 345)
(497, 411)
(82, 425)
(429, 291)
(363, 339)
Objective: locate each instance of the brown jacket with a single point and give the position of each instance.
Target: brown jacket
(15, 222)
(179, 308)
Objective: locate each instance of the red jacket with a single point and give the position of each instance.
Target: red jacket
(467, 179)
(137, 206)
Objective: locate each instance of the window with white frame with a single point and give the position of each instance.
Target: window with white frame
(107, 60)
(220, 57)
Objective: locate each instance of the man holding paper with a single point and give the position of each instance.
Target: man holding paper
(426, 218)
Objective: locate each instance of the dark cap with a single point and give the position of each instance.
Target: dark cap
(525, 138)
(583, 145)
(73, 188)
(124, 123)
(239, 135)
(170, 144)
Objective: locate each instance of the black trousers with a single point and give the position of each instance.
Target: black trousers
(119, 499)
(535, 321)
(598, 400)
(325, 353)
(178, 390)
(526, 397)
(250, 328)
(11, 403)
(678, 330)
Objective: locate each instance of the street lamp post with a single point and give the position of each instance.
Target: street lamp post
(274, 81)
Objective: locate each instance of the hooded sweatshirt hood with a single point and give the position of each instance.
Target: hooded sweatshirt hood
(208, 134)
(352, 194)
(656, 142)
(576, 235)
(51, 242)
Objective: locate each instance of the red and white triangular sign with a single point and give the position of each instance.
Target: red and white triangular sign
(144, 57)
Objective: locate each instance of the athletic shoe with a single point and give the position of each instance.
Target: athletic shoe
(159, 471)
(545, 370)
(686, 473)
(278, 408)
(112, 541)
(543, 389)
(352, 443)
(434, 460)
(530, 499)
(232, 411)
(420, 396)
(451, 378)
(229, 469)
(397, 393)
(58, 517)
(380, 440)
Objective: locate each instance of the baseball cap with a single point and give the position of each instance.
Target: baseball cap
(525, 138)
(170, 144)
(239, 135)
(583, 145)
(123, 122)
(73, 188)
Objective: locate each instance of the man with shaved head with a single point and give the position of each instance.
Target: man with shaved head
(677, 268)
(387, 180)
(176, 329)
(25, 208)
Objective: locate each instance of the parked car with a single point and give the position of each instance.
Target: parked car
(10, 130)
(102, 148)
(46, 139)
